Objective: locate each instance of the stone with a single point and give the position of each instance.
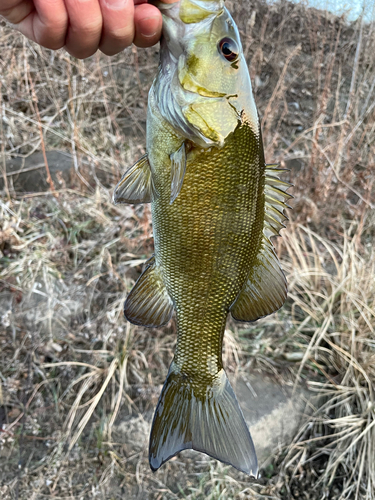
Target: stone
(294, 164)
(28, 175)
(272, 411)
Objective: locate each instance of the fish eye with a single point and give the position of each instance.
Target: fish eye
(229, 49)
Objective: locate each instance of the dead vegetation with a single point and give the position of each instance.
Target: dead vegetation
(71, 368)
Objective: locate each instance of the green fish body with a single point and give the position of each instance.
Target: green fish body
(215, 204)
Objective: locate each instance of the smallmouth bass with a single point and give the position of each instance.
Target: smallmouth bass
(215, 205)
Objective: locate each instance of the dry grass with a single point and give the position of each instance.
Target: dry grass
(333, 313)
(78, 384)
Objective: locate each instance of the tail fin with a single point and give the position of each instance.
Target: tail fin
(206, 419)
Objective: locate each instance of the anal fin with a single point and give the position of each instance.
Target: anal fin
(136, 185)
(202, 415)
(265, 290)
(149, 303)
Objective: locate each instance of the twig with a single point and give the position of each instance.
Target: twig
(280, 83)
(23, 422)
(341, 146)
(23, 170)
(355, 71)
(35, 100)
(4, 169)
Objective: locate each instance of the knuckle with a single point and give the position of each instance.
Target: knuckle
(51, 37)
(121, 35)
(7, 13)
(59, 27)
(114, 41)
(146, 42)
(82, 53)
(109, 51)
(91, 29)
(53, 44)
(13, 16)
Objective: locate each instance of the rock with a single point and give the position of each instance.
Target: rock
(294, 164)
(134, 431)
(272, 412)
(48, 309)
(51, 308)
(28, 175)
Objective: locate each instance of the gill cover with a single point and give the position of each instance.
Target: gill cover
(203, 87)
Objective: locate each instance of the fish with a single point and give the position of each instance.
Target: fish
(215, 206)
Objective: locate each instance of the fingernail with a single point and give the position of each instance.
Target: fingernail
(149, 26)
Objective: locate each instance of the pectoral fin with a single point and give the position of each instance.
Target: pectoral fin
(265, 290)
(136, 185)
(149, 303)
(178, 169)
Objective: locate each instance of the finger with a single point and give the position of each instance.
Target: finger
(16, 11)
(118, 25)
(85, 27)
(43, 22)
(148, 23)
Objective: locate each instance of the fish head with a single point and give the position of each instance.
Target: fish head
(202, 64)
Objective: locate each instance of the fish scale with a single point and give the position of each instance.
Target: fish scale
(215, 206)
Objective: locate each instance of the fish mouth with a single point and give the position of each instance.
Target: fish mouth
(179, 15)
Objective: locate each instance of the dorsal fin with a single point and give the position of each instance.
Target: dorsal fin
(276, 199)
(136, 185)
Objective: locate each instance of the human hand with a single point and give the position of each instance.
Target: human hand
(84, 26)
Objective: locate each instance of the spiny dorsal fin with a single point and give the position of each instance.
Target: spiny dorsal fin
(178, 169)
(265, 290)
(276, 199)
(203, 415)
(149, 303)
(136, 185)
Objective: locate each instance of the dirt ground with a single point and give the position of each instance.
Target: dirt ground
(78, 385)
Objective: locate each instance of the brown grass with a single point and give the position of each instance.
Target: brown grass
(72, 370)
